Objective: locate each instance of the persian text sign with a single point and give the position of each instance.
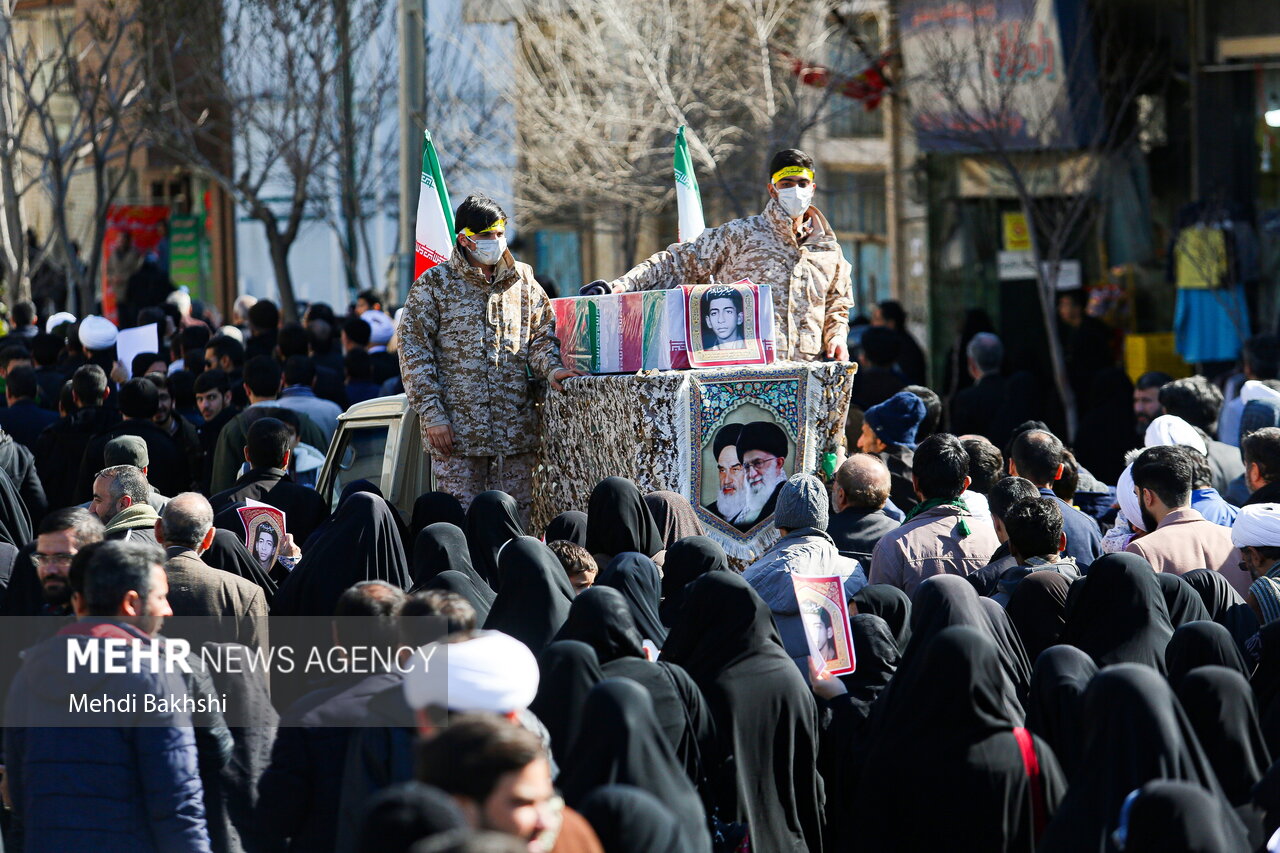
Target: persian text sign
(989, 72)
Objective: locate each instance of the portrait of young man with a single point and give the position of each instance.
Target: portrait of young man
(722, 320)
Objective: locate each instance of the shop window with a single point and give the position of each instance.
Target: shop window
(854, 202)
(847, 117)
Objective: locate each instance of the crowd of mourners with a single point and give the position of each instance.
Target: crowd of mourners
(1047, 657)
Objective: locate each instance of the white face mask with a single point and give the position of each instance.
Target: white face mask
(795, 200)
(489, 252)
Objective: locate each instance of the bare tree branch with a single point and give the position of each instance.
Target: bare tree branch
(70, 112)
(602, 85)
(983, 81)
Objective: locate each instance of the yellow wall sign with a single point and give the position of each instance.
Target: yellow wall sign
(1017, 238)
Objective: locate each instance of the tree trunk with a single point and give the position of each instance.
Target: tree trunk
(280, 266)
(350, 202)
(1048, 312)
(12, 240)
(84, 288)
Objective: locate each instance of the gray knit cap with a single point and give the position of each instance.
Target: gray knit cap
(802, 502)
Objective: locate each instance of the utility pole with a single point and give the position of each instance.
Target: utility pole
(413, 121)
(347, 148)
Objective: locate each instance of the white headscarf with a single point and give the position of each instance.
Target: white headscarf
(1257, 526)
(1130, 504)
(1255, 390)
(1173, 430)
(97, 333)
(491, 672)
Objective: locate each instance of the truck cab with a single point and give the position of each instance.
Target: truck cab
(379, 441)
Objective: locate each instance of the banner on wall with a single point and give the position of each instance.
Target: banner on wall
(133, 230)
(1019, 70)
(190, 256)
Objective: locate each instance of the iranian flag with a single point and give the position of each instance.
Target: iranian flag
(434, 231)
(688, 200)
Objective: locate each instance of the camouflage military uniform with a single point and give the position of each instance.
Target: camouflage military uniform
(470, 350)
(812, 293)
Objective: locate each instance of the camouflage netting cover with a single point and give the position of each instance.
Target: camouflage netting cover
(655, 427)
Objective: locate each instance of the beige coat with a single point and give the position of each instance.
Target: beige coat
(1184, 541)
(470, 350)
(812, 293)
(214, 606)
(931, 544)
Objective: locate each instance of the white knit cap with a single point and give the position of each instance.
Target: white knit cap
(491, 672)
(1130, 504)
(232, 332)
(381, 328)
(57, 320)
(1173, 430)
(1257, 526)
(97, 333)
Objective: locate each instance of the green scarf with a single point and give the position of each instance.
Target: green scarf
(928, 505)
(133, 517)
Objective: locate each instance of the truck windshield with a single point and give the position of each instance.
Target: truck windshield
(360, 457)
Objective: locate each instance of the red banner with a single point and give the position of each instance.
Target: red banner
(145, 225)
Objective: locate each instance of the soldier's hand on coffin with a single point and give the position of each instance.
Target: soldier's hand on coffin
(441, 438)
(837, 351)
(599, 287)
(559, 376)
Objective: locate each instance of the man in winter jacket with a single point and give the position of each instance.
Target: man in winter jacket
(1038, 456)
(23, 418)
(139, 403)
(859, 495)
(475, 329)
(804, 549)
(790, 246)
(940, 535)
(61, 446)
(889, 431)
(141, 791)
(120, 502)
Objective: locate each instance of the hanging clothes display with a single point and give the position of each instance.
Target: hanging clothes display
(1214, 253)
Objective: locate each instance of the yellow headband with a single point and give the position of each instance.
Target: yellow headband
(501, 223)
(792, 172)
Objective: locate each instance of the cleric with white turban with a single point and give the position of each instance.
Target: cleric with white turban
(97, 333)
(492, 672)
(1257, 534)
(1172, 430)
(57, 320)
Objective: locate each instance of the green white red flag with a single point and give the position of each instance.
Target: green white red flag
(434, 234)
(689, 221)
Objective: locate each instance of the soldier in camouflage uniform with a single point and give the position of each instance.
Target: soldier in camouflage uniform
(475, 334)
(789, 246)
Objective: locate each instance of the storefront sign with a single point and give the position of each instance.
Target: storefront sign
(1016, 236)
(1021, 266)
(1015, 266)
